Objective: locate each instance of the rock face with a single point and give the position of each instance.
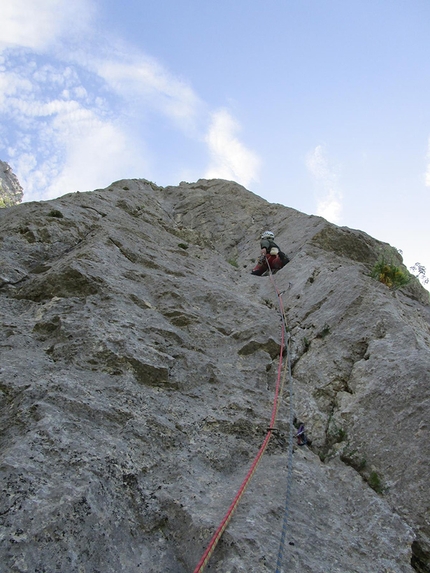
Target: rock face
(139, 358)
(11, 192)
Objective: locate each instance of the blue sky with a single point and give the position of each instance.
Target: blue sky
(320, 105)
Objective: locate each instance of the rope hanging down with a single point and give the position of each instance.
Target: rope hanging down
(278, 392)
(290, 437)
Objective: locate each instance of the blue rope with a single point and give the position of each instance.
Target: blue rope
(290, 466)
(291, 433)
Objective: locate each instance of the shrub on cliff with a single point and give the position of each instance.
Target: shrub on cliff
(390, 274)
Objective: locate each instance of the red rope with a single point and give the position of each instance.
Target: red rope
(224, 523)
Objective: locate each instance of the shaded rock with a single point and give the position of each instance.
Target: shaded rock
(68, 282)
(348, 243)
(269, 346)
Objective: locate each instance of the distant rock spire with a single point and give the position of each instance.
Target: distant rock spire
(11, 192)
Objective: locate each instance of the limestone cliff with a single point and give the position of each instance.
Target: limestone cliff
(11, 191)
(138, 365)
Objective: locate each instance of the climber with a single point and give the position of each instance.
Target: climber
(301, 436)
(271, 255)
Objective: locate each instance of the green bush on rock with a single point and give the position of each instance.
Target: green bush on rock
(390, 274)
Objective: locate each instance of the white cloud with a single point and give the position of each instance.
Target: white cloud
(36, 24)
(11, 84)
(40, 109)
(329, 197)
(330, 207)
(97, 153)
(73, 114)
(230, 159)
(99, 96)
(83, 151)
(142, 81)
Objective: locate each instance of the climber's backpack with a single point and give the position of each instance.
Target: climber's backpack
(283, 258)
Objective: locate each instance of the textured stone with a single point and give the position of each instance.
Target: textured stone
(139, 358)
(11, 191)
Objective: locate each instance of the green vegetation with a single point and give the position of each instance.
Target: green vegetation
(336, 434)
(375, 482)
(351, 459)
(372, 478)
(233, 262)
(6, 202)
(55, 213)
(9, 197)
(341, 435)
(390, 274)
(183, 246)
(361, 464)
(324, 332)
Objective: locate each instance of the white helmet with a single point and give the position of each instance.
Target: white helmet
(267, 235)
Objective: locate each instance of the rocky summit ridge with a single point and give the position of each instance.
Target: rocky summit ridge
(138, 365)
(11, 192)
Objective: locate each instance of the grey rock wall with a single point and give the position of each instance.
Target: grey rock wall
(138, 364)
(11, 192)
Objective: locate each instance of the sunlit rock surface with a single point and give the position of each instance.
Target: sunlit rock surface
(139, 359)
(11, 192)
